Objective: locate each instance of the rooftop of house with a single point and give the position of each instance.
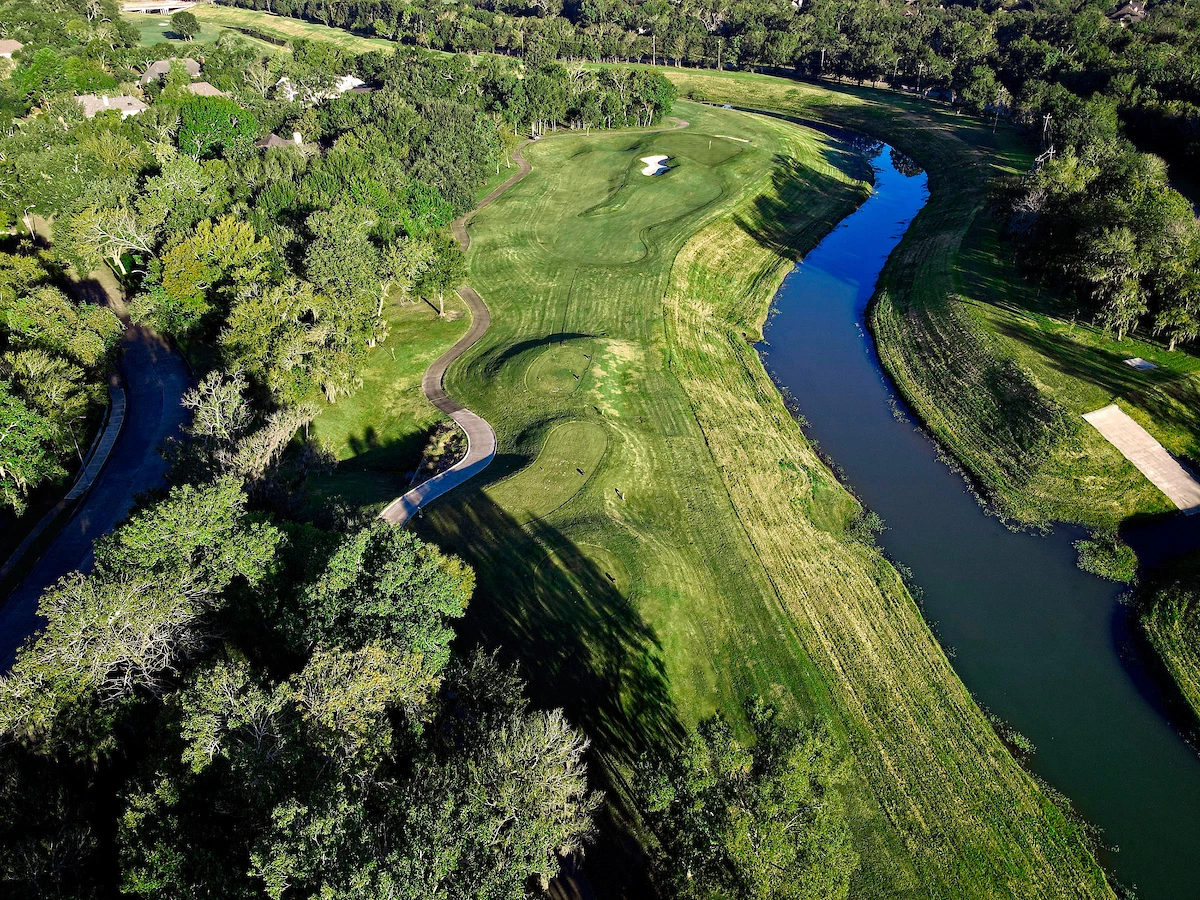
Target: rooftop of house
(159, 69)
(297, 142)
(348, 83)
(204, 89)
(272, 140)
(341, 85)
(126, 106)
(9, 47)
(1132, 11)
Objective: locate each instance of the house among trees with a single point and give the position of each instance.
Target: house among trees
(127, 106)
(1128, 13)
(157, 71)
(341, 84)
(204, 89)
(297, 142)
(9, 47)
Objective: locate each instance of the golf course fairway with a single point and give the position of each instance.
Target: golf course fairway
(656, 539)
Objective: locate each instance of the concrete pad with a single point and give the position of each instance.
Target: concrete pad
(1150, 457)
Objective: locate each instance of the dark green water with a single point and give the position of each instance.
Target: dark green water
(1042, 644)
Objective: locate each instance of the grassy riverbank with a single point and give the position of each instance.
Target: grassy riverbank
(657, 540)
(1170, 613)
(997, 374)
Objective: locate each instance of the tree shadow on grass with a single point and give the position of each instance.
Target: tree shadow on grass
(1163, 394)
(580, 645)
(378, 472)
(89, 290)
(781, 220)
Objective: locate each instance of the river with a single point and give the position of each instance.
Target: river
(1042, 644)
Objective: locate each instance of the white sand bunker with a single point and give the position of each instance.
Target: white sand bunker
(654, 165)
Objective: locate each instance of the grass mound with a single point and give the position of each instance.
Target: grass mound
(560, 368)
(568, 458)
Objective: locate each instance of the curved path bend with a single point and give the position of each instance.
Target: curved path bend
(156, 378)
(481, 439)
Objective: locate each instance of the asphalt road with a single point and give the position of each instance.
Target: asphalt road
(155, 380)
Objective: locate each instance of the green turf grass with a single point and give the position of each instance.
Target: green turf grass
(701, 552)
(995, 371)
(287, 29)
(157, 30)
(566, 461)
(379, 432)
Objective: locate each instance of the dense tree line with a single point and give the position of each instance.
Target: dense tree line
(234, 706)
(54, 354)
(981, 54)
(1101, 221)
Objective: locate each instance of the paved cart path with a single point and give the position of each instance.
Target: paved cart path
(481, 439)
(1150, 457)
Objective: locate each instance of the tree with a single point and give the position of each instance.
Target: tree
(1180, 320)
(114, 634)
(340, 259)
(497, 795)
(753, 819)
(41, 76)
(45, 318)
(59, 392)
(25, 460)
(385, 585)
(108, 233)
(185, 24)
(216, 125)
(199, 270)
(488, 821)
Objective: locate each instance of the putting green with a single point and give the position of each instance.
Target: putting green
(625, 208)
(560, 369)
(567, 460)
